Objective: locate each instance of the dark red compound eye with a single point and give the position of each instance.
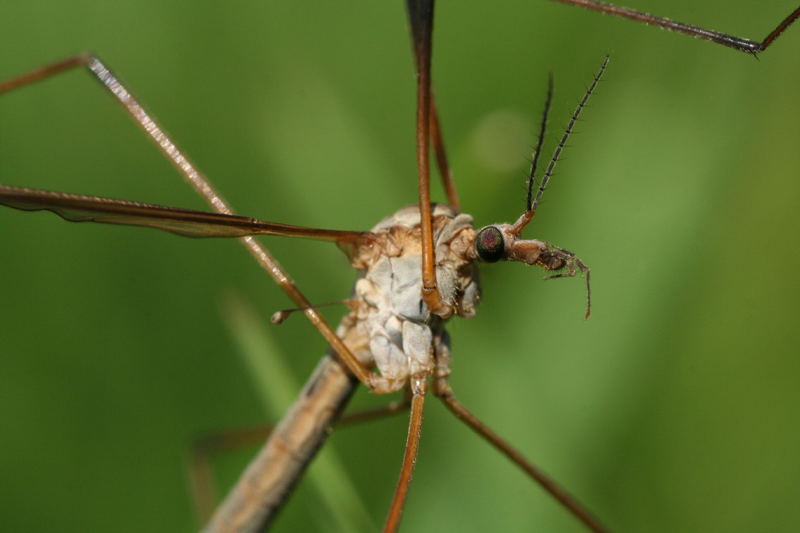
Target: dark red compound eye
(490, 244)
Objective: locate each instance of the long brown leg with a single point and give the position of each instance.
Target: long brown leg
(420, 15)
(436, 132)
(419, 387)
(443, 391)
(204, 188)
(731, 41)
(200, 471)
(571, 504)
(441, 158)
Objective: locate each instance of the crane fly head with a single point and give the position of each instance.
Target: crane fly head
(503, 241)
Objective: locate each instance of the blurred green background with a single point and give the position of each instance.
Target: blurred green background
(673, 409)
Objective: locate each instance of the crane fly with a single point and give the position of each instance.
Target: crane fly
(393, 325)
(416, 238)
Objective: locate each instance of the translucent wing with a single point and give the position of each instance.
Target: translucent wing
(185, 222)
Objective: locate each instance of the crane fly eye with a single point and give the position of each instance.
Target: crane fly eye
(490, 244)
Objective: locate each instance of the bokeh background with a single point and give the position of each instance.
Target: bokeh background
(674, 408)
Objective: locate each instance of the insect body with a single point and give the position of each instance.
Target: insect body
(398, 328)
(390, 312)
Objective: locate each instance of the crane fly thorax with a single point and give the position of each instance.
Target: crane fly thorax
(389, 311)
